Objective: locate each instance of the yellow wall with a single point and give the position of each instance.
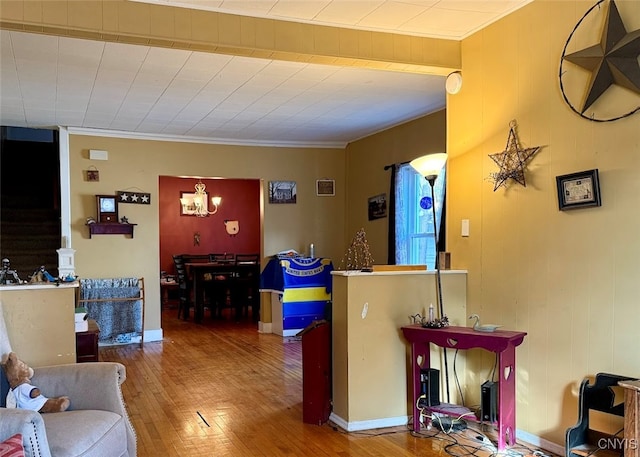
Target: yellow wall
(137, 164)
(366, 176)
(371, 359)
(40, 322)
(570, 279)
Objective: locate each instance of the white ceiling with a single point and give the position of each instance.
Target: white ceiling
(132, 90)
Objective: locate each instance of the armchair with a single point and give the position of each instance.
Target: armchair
(96, 423)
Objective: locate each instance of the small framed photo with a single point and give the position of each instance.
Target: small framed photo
(93, 175)
(188, 205)
(282, 192)
(578, 190)
(325, 187)
(377, 207)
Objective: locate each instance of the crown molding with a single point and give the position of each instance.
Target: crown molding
(203, 140)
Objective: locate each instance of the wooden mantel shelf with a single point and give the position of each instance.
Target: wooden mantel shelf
(111, 228)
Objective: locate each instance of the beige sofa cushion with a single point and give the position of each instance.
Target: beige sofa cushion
(86, 433)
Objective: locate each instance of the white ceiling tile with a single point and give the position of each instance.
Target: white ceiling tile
(70, 81)
(123, 56)
(151, 126)
(39, 48)
(171, 59)
(347, 12)
(305, 10)
(40, 114)
(390, 15)
(80, 53)
(147, 94)
(119, 76)
(451, 21)
(260, 7)
(495, 6)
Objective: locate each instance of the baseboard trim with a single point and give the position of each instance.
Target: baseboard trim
(149, 337)
(265, 327)
(153, 335)
(540, 442)
(357, 426)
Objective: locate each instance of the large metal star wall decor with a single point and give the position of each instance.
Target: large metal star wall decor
(512, 161)
(614, 60)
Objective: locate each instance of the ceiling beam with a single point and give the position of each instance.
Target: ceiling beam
(205, 31)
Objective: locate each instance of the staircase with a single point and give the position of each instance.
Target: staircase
(29, 239)
(29, 200)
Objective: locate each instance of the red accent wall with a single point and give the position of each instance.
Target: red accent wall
(240, 201)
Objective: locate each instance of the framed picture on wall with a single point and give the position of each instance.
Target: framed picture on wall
(325, 187)
(188, 205)
(282, 192)
(377, 207)
(93, 175)
(578, 190)
(107, 208)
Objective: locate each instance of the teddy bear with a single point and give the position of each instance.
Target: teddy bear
(27, 396)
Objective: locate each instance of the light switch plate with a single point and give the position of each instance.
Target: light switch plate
(465, 227)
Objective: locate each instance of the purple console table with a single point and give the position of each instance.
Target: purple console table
(501, 342)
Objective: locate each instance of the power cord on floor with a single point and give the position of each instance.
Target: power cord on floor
(459, 443)
(515, 450)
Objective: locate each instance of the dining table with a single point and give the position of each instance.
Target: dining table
(200, 273)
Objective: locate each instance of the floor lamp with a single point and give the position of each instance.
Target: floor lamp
(430, 166)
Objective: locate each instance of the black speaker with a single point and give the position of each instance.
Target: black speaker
(430, 387)
(489, 401)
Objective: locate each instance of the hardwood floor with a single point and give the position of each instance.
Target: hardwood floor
(221, 388)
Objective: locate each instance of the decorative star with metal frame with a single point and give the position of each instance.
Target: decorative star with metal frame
(512, 161)
(612, 61)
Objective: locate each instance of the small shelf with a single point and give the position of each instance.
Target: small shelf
(111, 228)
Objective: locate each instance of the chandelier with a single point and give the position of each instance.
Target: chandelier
(197, 204)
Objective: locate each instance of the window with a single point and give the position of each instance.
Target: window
(415, 241)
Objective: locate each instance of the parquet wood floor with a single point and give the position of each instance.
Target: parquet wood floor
(223, 389)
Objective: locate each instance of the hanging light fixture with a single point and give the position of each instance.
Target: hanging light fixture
(197, 205)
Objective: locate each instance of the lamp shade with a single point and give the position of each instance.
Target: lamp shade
(429, 165)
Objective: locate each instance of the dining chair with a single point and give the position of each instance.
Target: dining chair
(184, 290)
(222, 258)
(220, 287)
(246, 284)
(197, 295)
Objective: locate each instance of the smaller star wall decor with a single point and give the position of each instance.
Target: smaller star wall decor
(139, 198)
(512, 161)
